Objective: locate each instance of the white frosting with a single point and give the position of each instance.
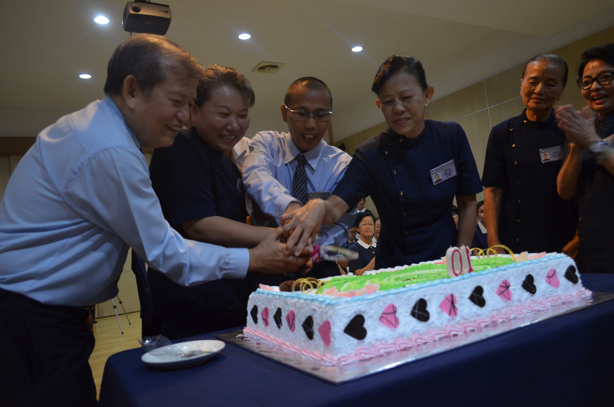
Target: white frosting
(339, 311)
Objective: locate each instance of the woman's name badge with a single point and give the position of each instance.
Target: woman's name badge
(549, 154)
(443, 173)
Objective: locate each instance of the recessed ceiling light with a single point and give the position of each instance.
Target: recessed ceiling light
(245, 36)
(357, 48)
(102, 20)
(85, 76)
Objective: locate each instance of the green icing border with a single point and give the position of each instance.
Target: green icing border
(414, 274)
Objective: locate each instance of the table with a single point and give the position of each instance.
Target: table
(566, 361)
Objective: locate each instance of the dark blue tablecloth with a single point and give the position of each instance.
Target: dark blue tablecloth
(564, 361)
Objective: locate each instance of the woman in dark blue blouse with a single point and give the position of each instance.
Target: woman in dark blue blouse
(523, 157)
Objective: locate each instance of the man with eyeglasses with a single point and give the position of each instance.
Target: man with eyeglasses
(284, 170)
(588, 170)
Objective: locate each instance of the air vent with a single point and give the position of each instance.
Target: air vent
(268, 67)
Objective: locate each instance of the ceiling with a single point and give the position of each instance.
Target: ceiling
(46, 44)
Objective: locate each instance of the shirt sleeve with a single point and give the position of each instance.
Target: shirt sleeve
(182, 197)
(469, 177)
(494, 161)
(112, 189)
(355, 183)
(265, 155)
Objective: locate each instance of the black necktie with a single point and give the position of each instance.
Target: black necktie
(299, 181)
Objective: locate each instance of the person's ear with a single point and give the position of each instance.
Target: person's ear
(379, 104)
(284, 113)
(194, 113)
(428, 95)
(131, 92)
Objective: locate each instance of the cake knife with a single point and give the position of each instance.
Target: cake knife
(332, 253)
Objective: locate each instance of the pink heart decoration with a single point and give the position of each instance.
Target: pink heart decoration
(504, 290)
(448, 305)
(324, 331)
(552, 278)
(290, 319)
(389, 317)
(265, 316)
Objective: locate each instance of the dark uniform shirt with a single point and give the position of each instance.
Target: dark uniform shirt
(523, 158)
(400, 176)
(596, 207)
(365, 255)
(192, 182)
(480, 240)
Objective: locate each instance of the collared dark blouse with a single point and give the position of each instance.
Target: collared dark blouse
(416, 215)
(365, 255)
(533, 217)
(193, 181)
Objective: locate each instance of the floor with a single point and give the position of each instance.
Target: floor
(110, 340)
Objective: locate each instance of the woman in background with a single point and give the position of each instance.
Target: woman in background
(365, 246)
(480, 239)
(412, 171)
(524, 154)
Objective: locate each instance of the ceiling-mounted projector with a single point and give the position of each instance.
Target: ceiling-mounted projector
(146, 17)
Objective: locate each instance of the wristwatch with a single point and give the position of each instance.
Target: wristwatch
(601, 149)
(598, 147)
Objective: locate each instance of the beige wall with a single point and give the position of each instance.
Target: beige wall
(483, 105)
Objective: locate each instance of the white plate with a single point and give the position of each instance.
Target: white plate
(183, 354)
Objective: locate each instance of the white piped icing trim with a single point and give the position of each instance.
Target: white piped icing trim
(429, 336)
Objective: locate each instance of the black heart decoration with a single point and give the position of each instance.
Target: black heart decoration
(355, 328)
(308, 327)
(254, 313)
(571, 275)
(419, 310)
(277, 318)
(529, 284)
(477, 296)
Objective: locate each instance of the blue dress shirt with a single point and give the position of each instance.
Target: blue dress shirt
(268, 170)
(77, 201)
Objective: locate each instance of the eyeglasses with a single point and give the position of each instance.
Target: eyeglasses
(302, 115)
(604, 78)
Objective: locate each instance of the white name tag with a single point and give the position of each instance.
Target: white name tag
(443, 173)
(549, 154)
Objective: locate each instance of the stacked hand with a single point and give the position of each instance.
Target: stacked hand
(271, 256)
(300, 226)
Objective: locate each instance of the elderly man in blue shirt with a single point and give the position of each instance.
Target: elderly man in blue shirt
(74, 205)
(282, 171)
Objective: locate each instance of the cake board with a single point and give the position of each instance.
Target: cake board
(360, 369)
